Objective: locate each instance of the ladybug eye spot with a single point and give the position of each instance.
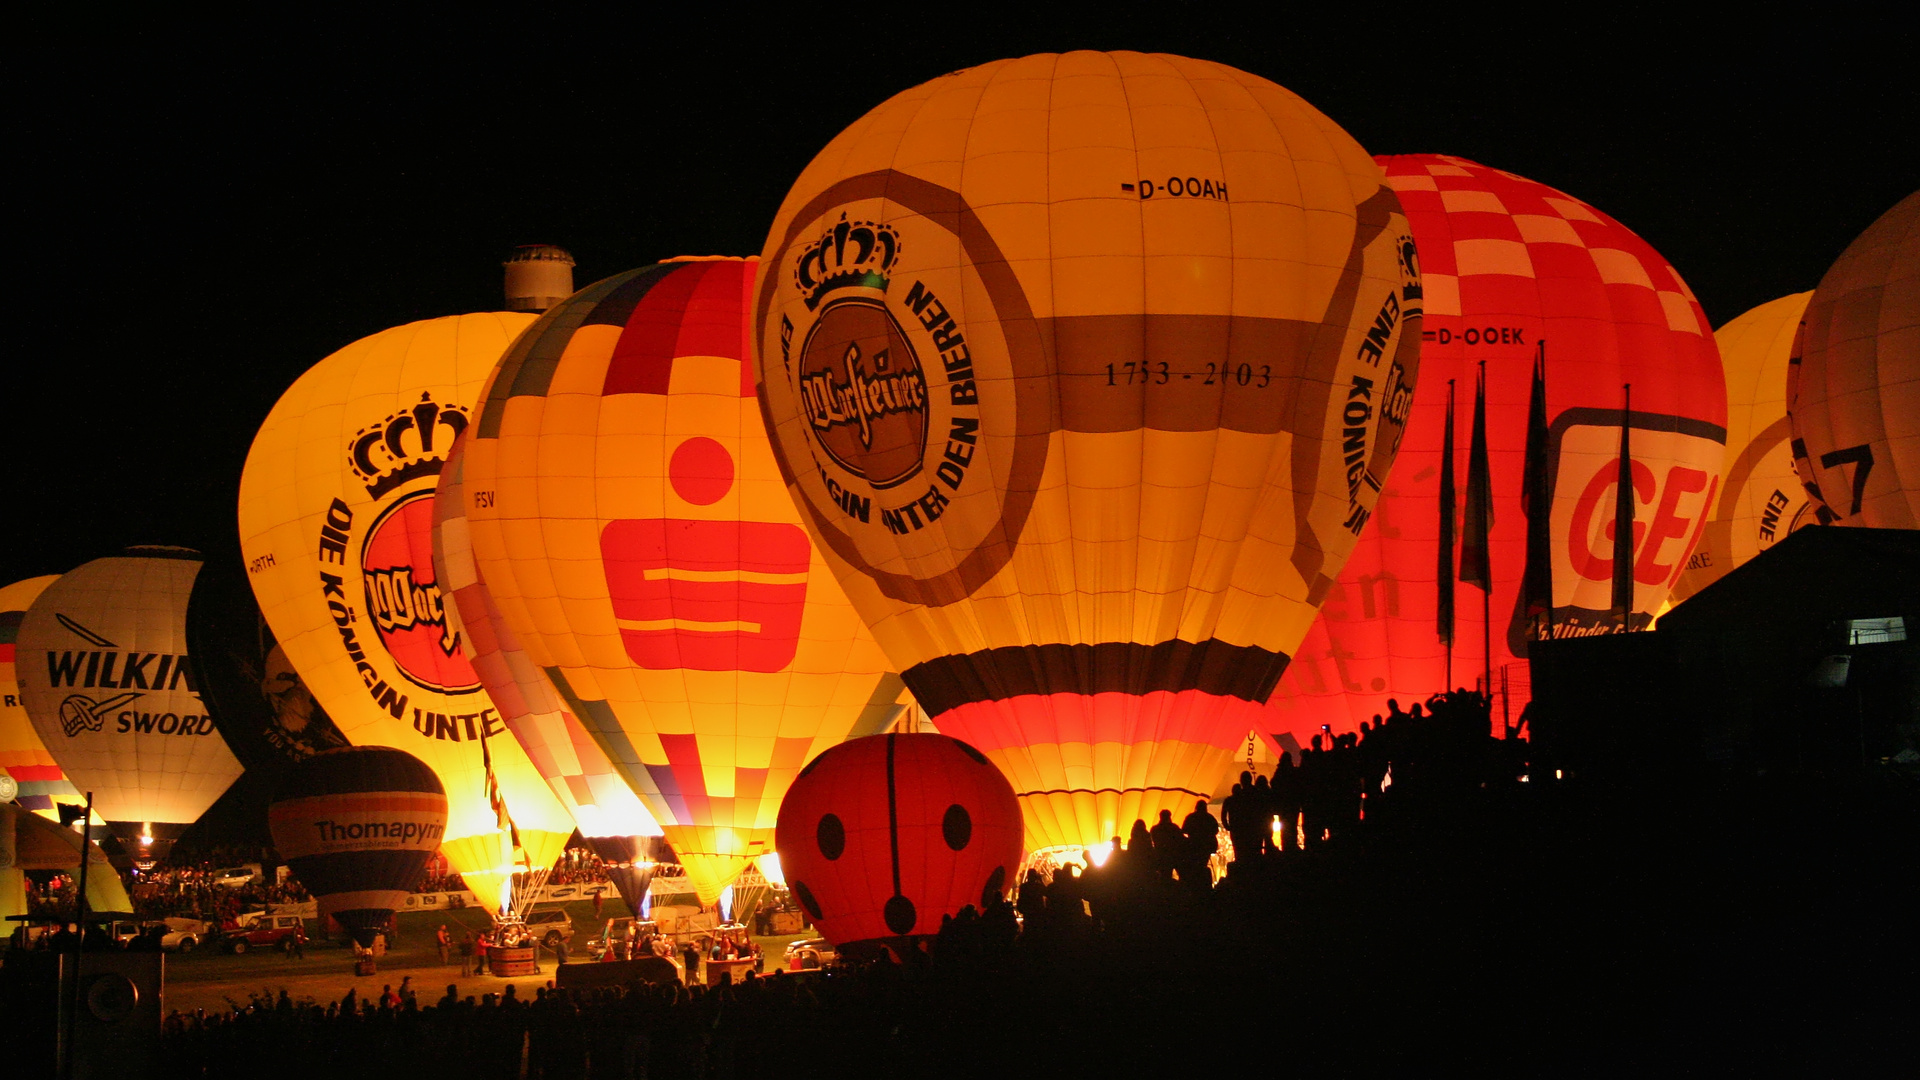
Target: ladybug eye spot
(832, 837)
(957, 827)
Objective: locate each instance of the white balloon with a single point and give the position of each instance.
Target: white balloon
(105, 677)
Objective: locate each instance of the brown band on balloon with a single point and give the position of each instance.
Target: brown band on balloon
(1319, 372)
(1212, 667)
(1034, 405)
(1177, 372)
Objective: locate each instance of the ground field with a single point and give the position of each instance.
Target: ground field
(215, 981)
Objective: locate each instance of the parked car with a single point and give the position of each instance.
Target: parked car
(552, 926)
(809, 953)
(234, 877)
(177, 935)
(183, 935)
(258, 930)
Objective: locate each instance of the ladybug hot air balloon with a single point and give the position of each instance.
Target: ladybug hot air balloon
(628, 520)
(357, 826)
(1513, 270)
(336, 509)
(606, 811)
(881, 837)
(1085, 370)
(105, 674)
(28, 774)
(1854, 390)
(1762, 499)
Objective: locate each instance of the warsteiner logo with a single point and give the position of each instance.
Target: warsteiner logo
(864, 392)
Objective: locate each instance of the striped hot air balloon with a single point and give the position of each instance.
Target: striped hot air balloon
(357, 825)
(627, 518)
(36, 779)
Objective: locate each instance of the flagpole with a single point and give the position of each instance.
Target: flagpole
(1445, 539)
(1486, 594)
(1623, 500)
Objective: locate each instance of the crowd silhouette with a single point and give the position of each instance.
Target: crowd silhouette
(1420, 894)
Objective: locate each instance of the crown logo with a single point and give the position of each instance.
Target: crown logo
(406, 445)
(852, 253)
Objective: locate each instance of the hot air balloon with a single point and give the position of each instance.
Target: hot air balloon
(1511, 269)
(1085, 370)
(883, 836)
(335, 517)
(604, 809)
(29, 841)
(1762, 499)
(627, 518)
(259, 702)
(1855, 387)
(106, 677)
(357, 826)
(28, 774)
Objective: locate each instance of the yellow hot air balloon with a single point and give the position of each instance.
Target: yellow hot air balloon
(1762, 500)
(336, 507)
(1854, 392)
(28, 774)
(627, 518)
(1086, 370)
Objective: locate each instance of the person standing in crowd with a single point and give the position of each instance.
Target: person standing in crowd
(1202, 834)
(466, 954)
(444, 941)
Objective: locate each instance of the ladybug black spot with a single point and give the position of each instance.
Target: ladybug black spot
(996, 884)
(806, 899)
(831, 836)
(957, 827)
(900, 915)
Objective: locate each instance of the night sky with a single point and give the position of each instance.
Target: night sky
(202, 210)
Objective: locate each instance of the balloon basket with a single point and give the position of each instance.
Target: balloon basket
(511, 962)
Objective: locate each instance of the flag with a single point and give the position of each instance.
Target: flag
(1536, 499)
(494, 798)
(1476, 561)
(1444, 602)
(1623, 517)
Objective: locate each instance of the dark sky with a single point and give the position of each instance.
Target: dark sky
(202, 210)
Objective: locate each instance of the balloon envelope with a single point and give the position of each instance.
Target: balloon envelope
(1762, 499)
(1856, 386)
(336, 531)
(883, 837)
(1086, 369)
(627, 518)
(37, 780)
(105, 674)
(357, 826)
(604, 809)
(1509, 264)
(259, 702)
